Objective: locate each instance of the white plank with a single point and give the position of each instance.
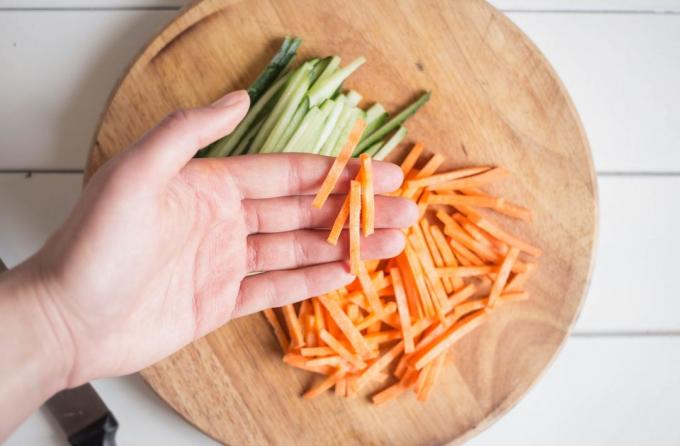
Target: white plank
(92, 4)
(633, 287)
(622, 72)
(659, 6)
(31, 209)
(608, 391)
(599, 391)
(55, 82)
(58, 69)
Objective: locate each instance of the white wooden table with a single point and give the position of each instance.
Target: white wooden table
(617, 381)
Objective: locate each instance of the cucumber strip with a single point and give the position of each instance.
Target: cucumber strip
(279, 62)
(374, 124)
(319, 69)
(223, 146)
(295, 122)
(374, 148)
(311, 135)
(329, 124)
(244, 144)
(374, 112)
(324, 90)
(332, 66)
(274, 139)
(345, 116)
(391, 143)
(294, 142)
(293, 86)
(353, 97)
(355, 114)
(393, 123)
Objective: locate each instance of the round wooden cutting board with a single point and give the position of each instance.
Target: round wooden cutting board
(495, 101)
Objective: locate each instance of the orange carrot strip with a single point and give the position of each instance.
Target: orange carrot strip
(333, 361)
(339, 223)
(317, 351)
(447, 255)
(442, 342)
(319, 320)
(281, 337)
(294, 327)
(308, 329)
(428, 169)
(305, 309)
(457, 233)
(381, 337)
(417, 241)
(368, 288)
(378, 365)
(423, 293)
(339, 164)
(459, 297)
(341, 350)
(402, 308)
(500, 234)
(433, 181)
(412, 158)
(355, 226)
(375, 328)
(372, 318)
(341, 387)
(473, 180)
(353, 335)
(372, 265)
(367, 198)
(483, 201)
(432, 378)
(473, 305)
(467, 271)
(400, 369)
(389, 393)
(414, 305)
(464, 255)
(509, 209)
(502, 276)
(517, 282)
(423, 376)
(300, 362)
(324, 385)
(435, 253)
(353, 312)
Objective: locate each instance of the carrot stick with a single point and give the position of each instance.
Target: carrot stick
(341, 350)
(459, 297)
(375, 317)
(467, 271)
(355, 226)
(479, 178)
(333, 361)
(378, 365)
(324, 385)
(428, 267)
(308, 330)
(414, 305)
(345, 325)
(509, 209)
(339, 223)
(423, 293)
(319, 319)
(428, 169)
(499, 233)
(433, 181)
(305, 309)
(517, 282)
(278, 329)
(432, 377)
(341, 387)
(294, 327)
(381, 337)
(447, 255)
(389, 393)
(442, 342)
(300, 362)
(435, 253)
(368, 288)
(317, 351)
(503, 274)
(339, 164)
(367, 199)
(403, 310)
(353, 312)
(412, 158)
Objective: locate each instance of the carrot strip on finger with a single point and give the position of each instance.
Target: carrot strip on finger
(355, 226)
(339, 223)
(367, 198)
(339, 164)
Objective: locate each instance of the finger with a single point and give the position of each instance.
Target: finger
(277, 288)
(296, 212)
(285, 250)
(282, 174)
(165, 149)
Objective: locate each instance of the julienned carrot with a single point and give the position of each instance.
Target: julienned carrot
(402, 308)
(508, 208)
(476, 179)
(367, 198)
(503, 274)
(339, 222)
(339, 164)
(355, 226)
(410, 309)
(278, 330)
(346, 326)
(411, 159)
(433, 180)
(294, 327)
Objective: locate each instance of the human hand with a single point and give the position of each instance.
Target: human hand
(159, 248)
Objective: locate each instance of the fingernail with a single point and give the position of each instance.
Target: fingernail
(231, 99)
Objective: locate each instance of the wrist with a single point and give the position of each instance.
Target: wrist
(36, 334)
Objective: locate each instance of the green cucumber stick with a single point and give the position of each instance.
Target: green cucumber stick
(223, 147)
(393, 123)
(345, 116)
(375, 117)
(274, 138)
(244, 144)
(295, 82)
(311, 135)
(331, 68)
(295, 121)
(353, 98)
(293, 144)
(319, 69)
(329, 123)
(279, 62)
(355, 114)
(391, 143)
(322, 91)
(374, 148)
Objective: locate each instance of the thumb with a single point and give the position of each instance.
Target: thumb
(168, 147)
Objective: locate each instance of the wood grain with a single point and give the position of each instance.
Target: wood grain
(496, 100)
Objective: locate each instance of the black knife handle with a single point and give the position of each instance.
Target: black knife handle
(100, 433)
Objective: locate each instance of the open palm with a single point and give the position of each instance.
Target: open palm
(161, 247)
